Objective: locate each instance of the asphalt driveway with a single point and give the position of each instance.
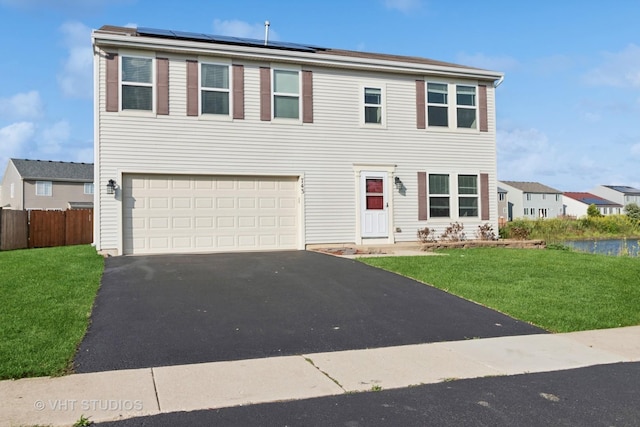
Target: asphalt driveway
(178, 309)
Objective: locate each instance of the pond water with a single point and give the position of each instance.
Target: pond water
(607, 247)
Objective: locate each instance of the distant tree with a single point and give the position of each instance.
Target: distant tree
(633, 211)
(593, 211)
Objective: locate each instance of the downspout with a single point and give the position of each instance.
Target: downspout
(499, 82)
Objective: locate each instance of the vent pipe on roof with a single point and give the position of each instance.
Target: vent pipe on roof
(266, 32)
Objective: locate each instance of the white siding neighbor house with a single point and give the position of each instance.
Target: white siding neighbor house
(577, 203)
(532, 200)
(621, 194)
(208, 143)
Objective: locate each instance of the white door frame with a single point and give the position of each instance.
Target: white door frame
(386, 171)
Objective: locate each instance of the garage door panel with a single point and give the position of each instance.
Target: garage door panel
(164, 214)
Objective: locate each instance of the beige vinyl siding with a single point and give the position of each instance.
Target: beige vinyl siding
(322, 152)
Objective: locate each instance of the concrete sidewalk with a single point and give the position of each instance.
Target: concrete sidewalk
(107, 396)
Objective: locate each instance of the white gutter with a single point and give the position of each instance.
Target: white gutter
(273, 55)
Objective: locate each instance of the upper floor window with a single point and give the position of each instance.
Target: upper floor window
(137, 83)
(528, 196)
(373, 105)
(437, 104)
(43, 188)
(13, 190)
(459, 111)
(286, 94)
(468, 195)
(501, 196)
(439, 195)
(214, 89)
(88, 188)
(466, 106)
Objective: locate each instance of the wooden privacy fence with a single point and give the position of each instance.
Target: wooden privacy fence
(40, 229)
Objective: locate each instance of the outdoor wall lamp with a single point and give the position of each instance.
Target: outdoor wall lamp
(111, 187)
(398, 182)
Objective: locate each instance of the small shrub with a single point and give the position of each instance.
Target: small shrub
(485, 232)
(519, 233)
(454, 233)
(427, 235)
(632, 210)
(593, 211)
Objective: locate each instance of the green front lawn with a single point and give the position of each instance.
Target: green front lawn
(560, 291)
(46, 297)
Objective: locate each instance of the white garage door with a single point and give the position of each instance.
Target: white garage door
(173, 213)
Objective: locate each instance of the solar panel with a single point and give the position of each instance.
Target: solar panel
(590, 200)
(186, 35)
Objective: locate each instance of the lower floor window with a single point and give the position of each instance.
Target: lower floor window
(468, 206)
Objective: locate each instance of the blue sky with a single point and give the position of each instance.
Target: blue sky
(568, 112)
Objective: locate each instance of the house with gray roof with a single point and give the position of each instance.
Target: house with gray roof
(621, 194)
(45, 184)
(532, 200)
(577, 203)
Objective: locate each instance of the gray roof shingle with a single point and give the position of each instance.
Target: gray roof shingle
(532, 187)
(54, 171)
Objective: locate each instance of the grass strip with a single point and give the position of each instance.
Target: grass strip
(46, 296)
(560, 291)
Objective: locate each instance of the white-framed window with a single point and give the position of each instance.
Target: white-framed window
(373, 107)
(528, 196)
(439, 197)
(13, 190)
(557, 197)
(137, 82)
(542, 212)
(452, 105)
(88, 188)
(286, 94)
(215, 89)
(438, 104)
(466, 113)
(501, 196)
(43, 188)
(468, 195)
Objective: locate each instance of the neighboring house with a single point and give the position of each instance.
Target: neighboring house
(503, 204)
(226, 144)
(532, 200)
(577, 203)
(45, 184)
(620, 194)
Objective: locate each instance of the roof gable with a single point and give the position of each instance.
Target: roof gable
(532, 187)
(590, 199)
(53, 171)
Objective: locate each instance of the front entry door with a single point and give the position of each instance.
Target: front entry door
(374, 204)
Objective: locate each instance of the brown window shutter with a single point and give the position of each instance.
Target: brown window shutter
(482, 100)
(421, 118)
(238, 91)
(192, 87)
(162, 65)
(265, 93)
(484, 196)
(307, 96)
(112, 82)
(422, 196)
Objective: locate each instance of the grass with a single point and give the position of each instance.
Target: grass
(560, 291)
(46, 297)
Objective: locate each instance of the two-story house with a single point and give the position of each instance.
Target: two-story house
(532, 200)
(577, 203)
(45, 184)
(208, 143)
(620, 194)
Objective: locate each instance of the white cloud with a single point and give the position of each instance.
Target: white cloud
(53, 137)
(83, 155)
(480, 60)
(618, 69)
(525, 155)
(404, 6)
(236, 28)
(14, 139)
(76, 77)
(22, 106)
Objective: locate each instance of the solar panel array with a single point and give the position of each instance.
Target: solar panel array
(624, 189)
(185, 35)
(592, 201)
